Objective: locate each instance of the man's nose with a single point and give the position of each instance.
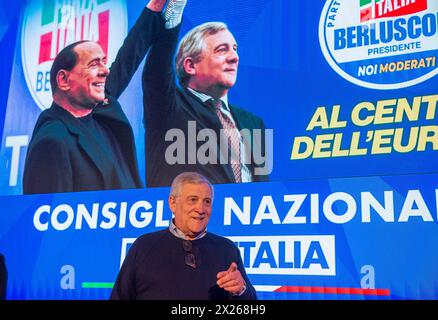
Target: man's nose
(200, 207)
(233, 57)
(104, 70)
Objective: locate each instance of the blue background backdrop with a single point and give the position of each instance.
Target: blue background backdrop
(283, 77)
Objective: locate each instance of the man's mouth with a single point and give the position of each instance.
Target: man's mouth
(100, 85)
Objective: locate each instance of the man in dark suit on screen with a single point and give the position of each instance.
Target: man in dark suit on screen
(84, 140)
(195, 128)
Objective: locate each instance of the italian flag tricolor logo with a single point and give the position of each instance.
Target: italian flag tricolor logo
(375, 9)
(51, 25)
(71, 21)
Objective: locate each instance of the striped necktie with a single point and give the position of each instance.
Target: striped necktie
(232, 135)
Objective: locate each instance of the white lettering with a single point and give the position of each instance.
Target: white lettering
(230, 206)
(385, 212)
(342, 218)
(414, 198)
(267, 204)
(297, 200)
(16, 143)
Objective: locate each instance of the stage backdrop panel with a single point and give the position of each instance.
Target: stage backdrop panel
(345, 238)
(349, 90)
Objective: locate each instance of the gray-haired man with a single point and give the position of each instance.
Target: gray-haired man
(184, 261)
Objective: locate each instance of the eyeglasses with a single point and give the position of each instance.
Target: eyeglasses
(190, 257)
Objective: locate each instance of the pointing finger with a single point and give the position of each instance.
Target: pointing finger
(233, 267)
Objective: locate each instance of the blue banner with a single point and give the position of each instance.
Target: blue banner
(346, 238)
(331, 115)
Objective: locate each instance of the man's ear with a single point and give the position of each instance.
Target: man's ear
(62, 80)
(172, 203)
(189, 66)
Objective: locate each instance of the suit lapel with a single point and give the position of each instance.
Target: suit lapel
(195, 105)
(113, 115)
(237, 116)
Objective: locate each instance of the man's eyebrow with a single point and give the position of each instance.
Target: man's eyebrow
(226, 44)
(98, 59)
(221, 45)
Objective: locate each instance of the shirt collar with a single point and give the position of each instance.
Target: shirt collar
(179, 234)
(204, 97)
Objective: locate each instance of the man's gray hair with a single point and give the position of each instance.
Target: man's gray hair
(188, 177)
(192, 45)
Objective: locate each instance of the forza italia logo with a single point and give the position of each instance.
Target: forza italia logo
(381, 44)
(51, 25)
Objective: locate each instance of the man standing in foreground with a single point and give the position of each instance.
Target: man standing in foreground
(184, 261)
(195, 128)
(84, 141)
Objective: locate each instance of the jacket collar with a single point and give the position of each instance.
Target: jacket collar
(191, 99)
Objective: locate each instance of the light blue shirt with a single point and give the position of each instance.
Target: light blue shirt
(179, 234)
